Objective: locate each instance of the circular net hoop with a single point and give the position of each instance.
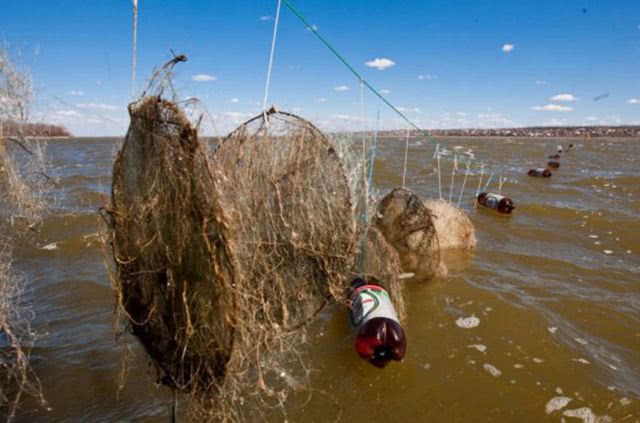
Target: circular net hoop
(289, 200)
(171, 264)
(219, 261)
(407, 224)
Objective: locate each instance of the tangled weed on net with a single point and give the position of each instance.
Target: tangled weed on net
(221, 260)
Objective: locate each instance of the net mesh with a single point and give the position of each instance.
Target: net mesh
(221, 261)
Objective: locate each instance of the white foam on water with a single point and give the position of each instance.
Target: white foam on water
(552, 329)
(586, 415)
(52, 246)
(625, 401)
(581, 360)
(556, 403)
(581, 341)
(479, 347)
(559, 391)
(468, 322)
(518, 366)
(538, 360)
(607, 251)
(593, 236)
(492, 370)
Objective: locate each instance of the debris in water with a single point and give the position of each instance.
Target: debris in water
(518, 366)
(468, 322)
(52, 246)
(492, 370)
(593, 236)
(538, 360)
(607, 251)
(479, 347)
(581, 341)
(581, 360)
(586, 415)
(552, 329)
(556, 403)
(625, 401)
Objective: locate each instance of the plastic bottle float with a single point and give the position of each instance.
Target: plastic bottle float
(379, 338)
(540, 172)
(499, 203)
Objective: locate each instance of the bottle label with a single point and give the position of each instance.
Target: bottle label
(493, 200)
(368, 302)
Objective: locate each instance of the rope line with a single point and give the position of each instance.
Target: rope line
(365, 212)
(488, 182)
(464, 182)
(135, 49)
(270, 66)
(439, 177)
(453, 175)
(344, 61)
(406, 156)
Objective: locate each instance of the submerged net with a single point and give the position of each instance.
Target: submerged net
(222, 261)
(408, 225)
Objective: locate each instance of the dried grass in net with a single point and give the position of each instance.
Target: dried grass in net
(169, 257)
(17, 377)
(221, 262)
(25, 187)
(408, 226)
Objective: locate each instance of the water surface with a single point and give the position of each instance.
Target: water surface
(555, 286)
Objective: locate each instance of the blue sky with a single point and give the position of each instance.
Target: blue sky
(455, 63)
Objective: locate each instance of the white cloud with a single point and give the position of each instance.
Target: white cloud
(508, 48)
(203, 77)
(97, 106)
(341, 88)
(384, 91)
(349, 118)
(427, 76)
(68, 113)
(237, 115)
(380, 63)
(552, 108)
(634, 101)
(266, 18)
(321, 100)
(234, 100)
(564, 97)
(555, 122)
(540, 82)
(76, 93)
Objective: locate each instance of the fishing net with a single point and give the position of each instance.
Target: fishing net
(408, 226)
(221, 260)
(453, 226)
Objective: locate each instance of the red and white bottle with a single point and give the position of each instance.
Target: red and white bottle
(379, 338)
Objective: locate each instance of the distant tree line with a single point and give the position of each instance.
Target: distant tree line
(28, 129)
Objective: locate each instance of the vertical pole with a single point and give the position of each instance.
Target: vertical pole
(135, 48)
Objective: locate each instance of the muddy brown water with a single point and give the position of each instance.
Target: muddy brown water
(555, 287)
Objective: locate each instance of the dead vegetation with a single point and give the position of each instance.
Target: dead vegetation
(16, 340)
(24, 188)
(221, 261)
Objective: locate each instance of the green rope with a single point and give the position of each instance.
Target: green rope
(355, 72)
